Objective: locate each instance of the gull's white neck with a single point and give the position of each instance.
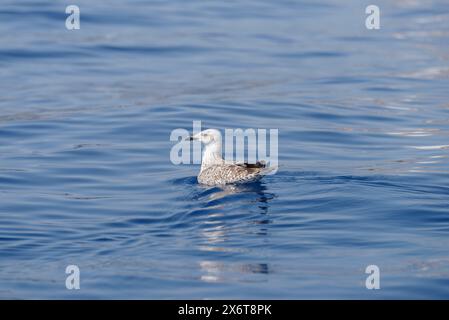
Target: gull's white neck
(212, 155)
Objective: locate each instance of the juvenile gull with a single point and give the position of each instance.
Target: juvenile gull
(215, 171)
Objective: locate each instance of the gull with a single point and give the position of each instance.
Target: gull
(215, 170)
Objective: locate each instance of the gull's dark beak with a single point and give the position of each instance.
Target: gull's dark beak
(189, 138)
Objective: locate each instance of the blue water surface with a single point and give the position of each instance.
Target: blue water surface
(85, 170)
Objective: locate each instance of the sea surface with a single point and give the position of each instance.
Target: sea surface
(86, 177)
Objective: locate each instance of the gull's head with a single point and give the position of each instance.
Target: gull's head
(209, 136)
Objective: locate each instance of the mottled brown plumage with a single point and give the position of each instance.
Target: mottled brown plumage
(230, 173)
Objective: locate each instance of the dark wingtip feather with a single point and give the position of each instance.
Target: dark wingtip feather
(258, 164)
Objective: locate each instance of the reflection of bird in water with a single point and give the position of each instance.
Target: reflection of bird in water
(255, 187)
(215, 171)
(216, 200)
(215, 271)
(218, 230)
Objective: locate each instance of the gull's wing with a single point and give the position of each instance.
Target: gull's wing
(231, 173)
